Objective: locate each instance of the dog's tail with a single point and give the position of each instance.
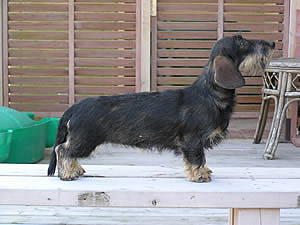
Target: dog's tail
(60, 138)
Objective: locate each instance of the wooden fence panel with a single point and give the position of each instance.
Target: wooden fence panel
(255, 20)
(186, 31)
(37, 48)
(61, 51)
(104, 48)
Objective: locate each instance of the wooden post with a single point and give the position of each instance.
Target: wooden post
(71, 54)
(286, 23)
(220, 19)
(143, 45)
(138, 47)
(154, 47)
(5, 52)
(1, 59)
(254, 217)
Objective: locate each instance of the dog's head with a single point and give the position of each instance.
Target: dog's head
(233, 56)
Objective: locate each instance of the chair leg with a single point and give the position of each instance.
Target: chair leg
(262, 120)
(274, 134)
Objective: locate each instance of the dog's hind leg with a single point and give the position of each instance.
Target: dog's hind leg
(68, 167)
(195, 168)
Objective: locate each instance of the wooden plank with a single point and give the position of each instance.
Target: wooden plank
(128, 35)
(183, 53)
(253, 18)
(254, 8)
(39, 107)
(38, 90)
(38, 61)
(71, 37)
(287, 24)
(105, 7)
(249, 99)
(104, 62)
(150, 192)
(255, 216)
(112, 53)
(111, 71)
(181, 62)
(253, 27)
(184, 44)
(249, 90)
(187, 1)
(187, 26)
(5, 46)
(254, 1)
(138, 47)
(179, 71)
(53, 44)
(176, 80)
(37, 16)
(220, 18)
(187, 7)
(38, 71)
(37, 35)
(104, 44)
(20, 25)
(33, 98)
(187, 35)
(38, 80)
(104, 90)
(259, 36)
(247, 107)
(154, 53)
(120, 171)
(128, 17)
(105, 80)
(109, 1)
(145, 46)
(37, 7)
(104, 26)
(37, 53)
(187, 17)
(41, 1)
(116, 216)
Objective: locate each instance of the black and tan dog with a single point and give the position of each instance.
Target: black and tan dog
(187, 121)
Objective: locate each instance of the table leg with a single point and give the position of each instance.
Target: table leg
(254, 216)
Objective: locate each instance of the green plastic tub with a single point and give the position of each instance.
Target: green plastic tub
(52, 126)
(5, 143)
(23, 140)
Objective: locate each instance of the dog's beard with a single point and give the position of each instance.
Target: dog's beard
(254, 64)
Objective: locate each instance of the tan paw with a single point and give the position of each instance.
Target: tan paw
(197, 173)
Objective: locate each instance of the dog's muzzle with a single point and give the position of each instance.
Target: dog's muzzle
(255, 64)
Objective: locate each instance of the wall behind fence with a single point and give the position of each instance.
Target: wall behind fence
(59, 52)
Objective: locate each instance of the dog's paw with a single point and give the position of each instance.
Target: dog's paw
(200, 174)
(71, 172)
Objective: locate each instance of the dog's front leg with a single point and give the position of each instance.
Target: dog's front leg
(195, 168)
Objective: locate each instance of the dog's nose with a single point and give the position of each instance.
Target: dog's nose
(272, 44)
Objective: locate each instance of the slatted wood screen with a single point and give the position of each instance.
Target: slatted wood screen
(61, 51)
(187, 29)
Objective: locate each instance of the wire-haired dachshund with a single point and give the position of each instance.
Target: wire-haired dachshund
(187, 120)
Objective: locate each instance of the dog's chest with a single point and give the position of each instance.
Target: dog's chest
(216, 136)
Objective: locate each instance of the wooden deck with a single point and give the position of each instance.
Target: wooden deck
(233, 153)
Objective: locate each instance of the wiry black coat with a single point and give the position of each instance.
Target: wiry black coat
(182, 120)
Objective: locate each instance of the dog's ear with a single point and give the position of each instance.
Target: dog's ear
(226, 75)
